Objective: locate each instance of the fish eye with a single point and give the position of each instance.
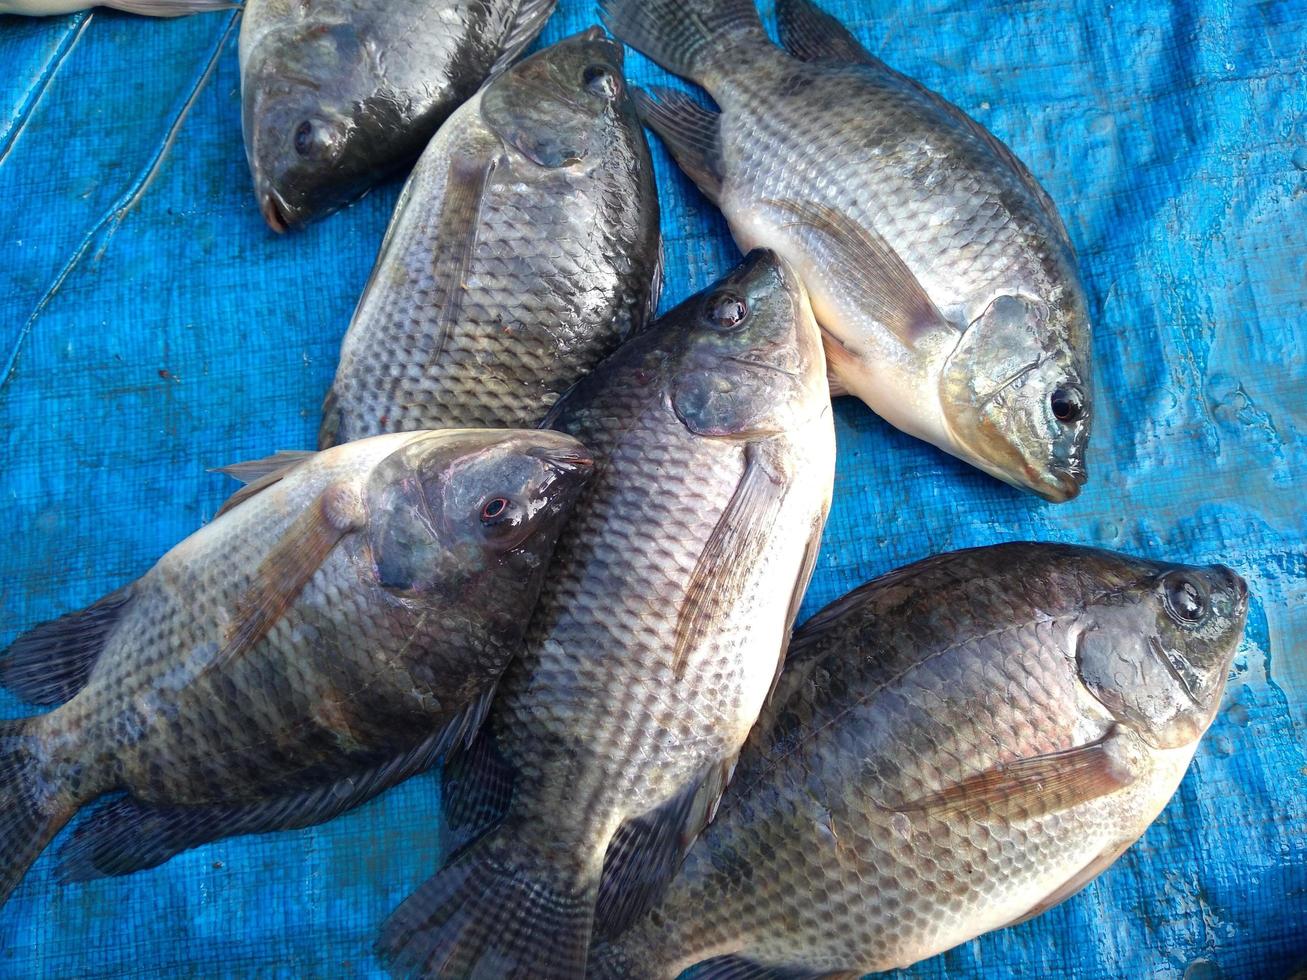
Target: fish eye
(304, 138)
(1068, 403)
(726, 311)
(1185, 599)
(495, 511)
(598, 80)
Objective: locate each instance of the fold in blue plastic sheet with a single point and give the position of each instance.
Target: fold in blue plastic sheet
(151, 327)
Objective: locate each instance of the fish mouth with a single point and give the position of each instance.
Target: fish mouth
(274, 211)
(597, 35)
(1062, 485)
(1236, 582)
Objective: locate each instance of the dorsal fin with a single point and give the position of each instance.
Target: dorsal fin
(259, 474)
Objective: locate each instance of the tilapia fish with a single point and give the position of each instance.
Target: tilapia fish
(662, 625)
(148, 8)
(939, 270)
(524, 249)
(955, 747)
(336, 95)
(332, 632)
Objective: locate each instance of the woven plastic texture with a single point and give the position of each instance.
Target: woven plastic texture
(152, 327)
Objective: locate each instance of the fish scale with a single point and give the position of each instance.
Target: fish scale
(482, 312)
(827, 854)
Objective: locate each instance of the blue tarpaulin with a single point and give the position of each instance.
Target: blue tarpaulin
(152, 327)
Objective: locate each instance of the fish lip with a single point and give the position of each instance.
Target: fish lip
(1236, 582)
(274, 211)
(1066, 484)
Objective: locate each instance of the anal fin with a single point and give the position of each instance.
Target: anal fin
(125, 835)
(692, 134)
(741, 968)
(51, 662)
(646, 852)
(476, 789)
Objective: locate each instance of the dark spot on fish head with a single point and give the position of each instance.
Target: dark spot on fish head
(1156, 647)
(750, 353)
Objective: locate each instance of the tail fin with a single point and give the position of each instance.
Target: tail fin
(484, 916)
(30, 811)
(683, 35)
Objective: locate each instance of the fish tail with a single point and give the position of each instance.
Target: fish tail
(484, 914)
(32, 810)
(684, 36)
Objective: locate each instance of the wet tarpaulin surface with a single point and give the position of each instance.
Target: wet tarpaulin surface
(152, 327)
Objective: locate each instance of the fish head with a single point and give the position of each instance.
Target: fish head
(749, 358)
(562, 106)
(310, 138)
(1156, 643)
(473, 515)
(1017, 395)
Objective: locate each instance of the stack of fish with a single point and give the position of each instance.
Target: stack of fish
(559, 545)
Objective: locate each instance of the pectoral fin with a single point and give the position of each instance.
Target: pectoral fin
(1031, 788)
(742, 531)
(882, 285)
(287, 568)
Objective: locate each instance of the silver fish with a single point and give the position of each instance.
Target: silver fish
(955, 747)
(524, 249)
(662, 624)
(939, 270)
(333, 631)
(337, 95)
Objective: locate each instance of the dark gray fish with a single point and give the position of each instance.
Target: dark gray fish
(336, 628)
(525, 249)
(940, 272)
(662, 624)
(336, 95)
(955, 747)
